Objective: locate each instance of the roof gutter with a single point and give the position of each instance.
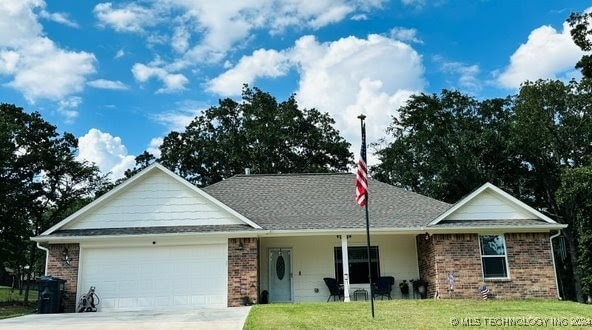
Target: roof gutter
(46, 256)
(553, 258)
(68, 239)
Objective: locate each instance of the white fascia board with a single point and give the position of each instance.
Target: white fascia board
(410, 230)
(69, 239)
(340, 231)
(500, 228)
(499, 192)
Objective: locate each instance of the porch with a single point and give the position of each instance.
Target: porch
(292, 268)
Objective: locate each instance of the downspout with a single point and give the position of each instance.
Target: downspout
(553, 258)
(46, 256)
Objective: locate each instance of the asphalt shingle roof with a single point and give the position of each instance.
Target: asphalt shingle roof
(322, 201)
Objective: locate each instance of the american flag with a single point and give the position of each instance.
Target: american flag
(362, 178)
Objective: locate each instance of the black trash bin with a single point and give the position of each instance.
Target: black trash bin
(49, 295)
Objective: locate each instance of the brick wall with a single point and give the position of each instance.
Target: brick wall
(242, 270)
(529, 258)
(56, 268)
(427, 262)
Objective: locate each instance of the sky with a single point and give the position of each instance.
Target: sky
(121, 75)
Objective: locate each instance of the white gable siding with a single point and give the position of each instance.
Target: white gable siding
(488, 206)
(156, 200)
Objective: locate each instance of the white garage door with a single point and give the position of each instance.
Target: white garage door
(156, 277)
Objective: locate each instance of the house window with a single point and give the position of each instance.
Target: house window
(358, 264)
(493, 256)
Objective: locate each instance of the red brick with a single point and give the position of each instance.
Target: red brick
(243, 270)
(529, 258)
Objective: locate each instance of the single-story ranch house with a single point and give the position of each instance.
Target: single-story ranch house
(157, 241)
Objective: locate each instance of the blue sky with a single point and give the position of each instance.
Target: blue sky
(121, 75)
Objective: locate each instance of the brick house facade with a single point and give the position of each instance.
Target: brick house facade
(158, 241)
(531, 272)
(242, 270)
(69, 273)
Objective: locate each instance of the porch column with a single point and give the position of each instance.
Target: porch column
(345, 260)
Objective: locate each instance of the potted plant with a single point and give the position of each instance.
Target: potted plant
(246, 300)
(404, 287)
(421, 287)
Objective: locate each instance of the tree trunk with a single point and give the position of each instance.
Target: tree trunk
(30, 270)
(573, 255)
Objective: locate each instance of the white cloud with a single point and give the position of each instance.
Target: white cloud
(465, 75)
(178, 119)
(217, 26)
(129, 18)
(359, 17)
(262, 63)
(61, 18)
(180, 40)
(120, 53)
(106, 151)
(45, 71)
(8, 61)
(547, 54)
(18, 23)
(107, 84)
(154, 146)
(38, 67)
(350, 76)
(172, 81)
(346, 77)
(414, 3)
(67, 107)
(405, 35)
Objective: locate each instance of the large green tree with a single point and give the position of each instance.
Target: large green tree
(40, 182)
(257, 133)
(446, 145)
(575, 197)
(581, 33)
(552, 133)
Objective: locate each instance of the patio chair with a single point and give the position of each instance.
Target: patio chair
(384, 286)
(334, 289)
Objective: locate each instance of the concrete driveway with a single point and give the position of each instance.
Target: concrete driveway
(203, 318)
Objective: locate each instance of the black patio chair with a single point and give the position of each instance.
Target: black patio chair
(334, 289)
(384, 286)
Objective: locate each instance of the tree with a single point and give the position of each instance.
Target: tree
(143, 160)
(40, 182)
(258, 133)
(575, 195)
(447, 145)
(581, 33)
(552, 134)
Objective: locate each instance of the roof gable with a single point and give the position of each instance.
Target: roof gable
(489, 202)
(154, 197)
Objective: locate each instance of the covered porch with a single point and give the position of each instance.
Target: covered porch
(292, 268)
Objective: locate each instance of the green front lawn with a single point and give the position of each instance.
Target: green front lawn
(12, 305)
(422, 314)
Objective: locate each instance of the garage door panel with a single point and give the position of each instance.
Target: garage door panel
(156, 276)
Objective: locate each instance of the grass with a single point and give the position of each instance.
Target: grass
(422, 314)
(12, 305)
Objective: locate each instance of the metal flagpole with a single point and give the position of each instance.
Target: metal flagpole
(363, 155)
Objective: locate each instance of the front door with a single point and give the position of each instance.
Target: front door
(280, 275)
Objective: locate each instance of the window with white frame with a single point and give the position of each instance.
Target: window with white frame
(493, 256)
